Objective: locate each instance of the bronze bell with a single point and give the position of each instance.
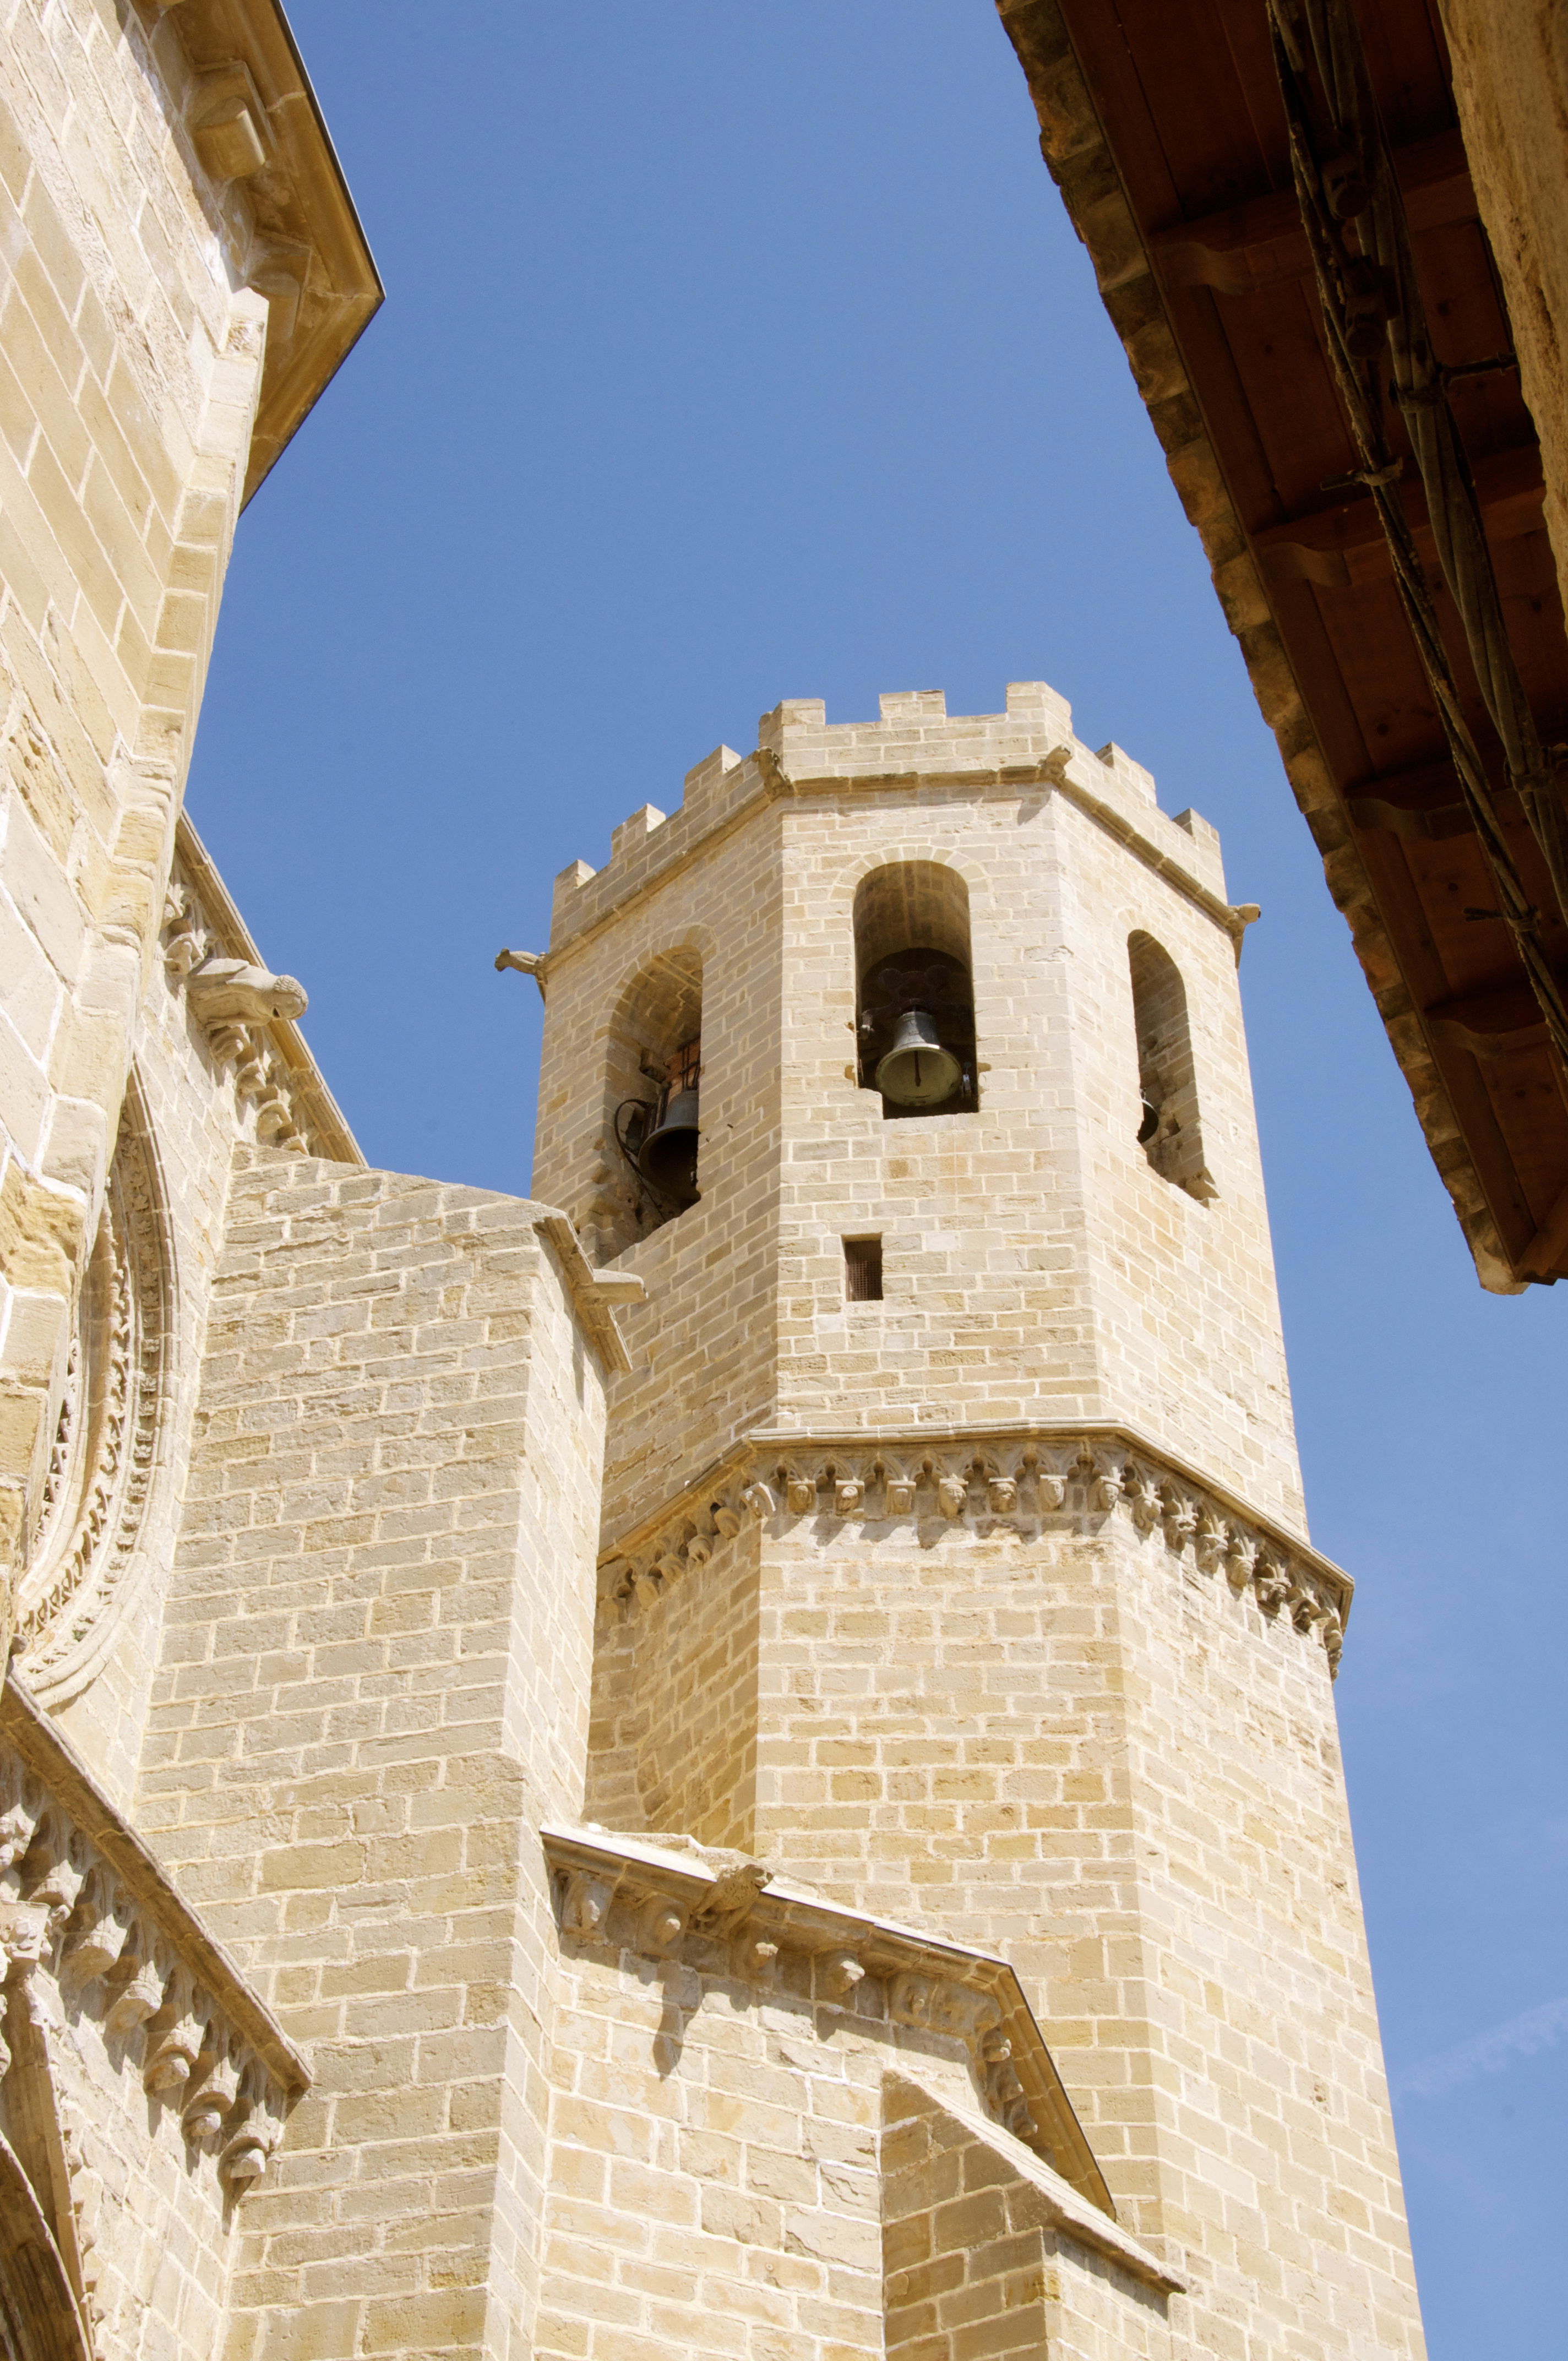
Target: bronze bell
(667, 1157)
(918, 1070)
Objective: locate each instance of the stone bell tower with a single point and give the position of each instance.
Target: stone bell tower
(954, 1558)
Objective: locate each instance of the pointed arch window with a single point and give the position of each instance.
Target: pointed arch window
(1170, 1130)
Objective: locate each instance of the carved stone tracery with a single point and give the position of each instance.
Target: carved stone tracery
(109, 1432)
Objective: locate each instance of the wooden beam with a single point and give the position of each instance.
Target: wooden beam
(1546, 1257)
(1258, 243)
(1329, 545)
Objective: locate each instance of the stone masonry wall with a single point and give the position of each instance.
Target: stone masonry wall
(1087, 1754)
(127, 390)
(375, 1684)
(974, 2268)
(673, 1743)
(711, 1350)
(140, 2215)
(732, 2174)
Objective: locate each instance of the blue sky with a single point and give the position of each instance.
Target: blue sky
(737, 353)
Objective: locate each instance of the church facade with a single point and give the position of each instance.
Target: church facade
(739, 1759)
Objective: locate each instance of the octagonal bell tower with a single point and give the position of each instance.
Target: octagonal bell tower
(954, 1558)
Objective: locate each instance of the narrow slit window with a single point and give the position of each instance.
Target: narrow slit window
(862, 1269)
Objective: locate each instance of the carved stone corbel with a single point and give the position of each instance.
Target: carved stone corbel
(840, 1976)
(661, 1926)
(1208, 1542)
(1142, 1498)
(1107, 1480)
(898, 1490)
(909, 2001)
(584, 1909)
(210, 2105)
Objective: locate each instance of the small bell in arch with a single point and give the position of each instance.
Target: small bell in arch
(918, 1070)
(667, 1156)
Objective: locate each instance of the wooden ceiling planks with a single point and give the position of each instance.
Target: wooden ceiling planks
(1193, 129)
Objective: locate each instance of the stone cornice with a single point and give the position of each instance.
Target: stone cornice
(85, 1901)
(274, 1068)
(1029, 1479)
(253, 124)
(728, 1917)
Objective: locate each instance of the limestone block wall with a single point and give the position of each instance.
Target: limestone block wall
(129, 373)
(974, 2266)
(673, 1740)
(1034, 1264)
(711, 1348)
(185, 1107)
(141, 2082)
(374, 1683)
(762, 2143)
(1091, 1755)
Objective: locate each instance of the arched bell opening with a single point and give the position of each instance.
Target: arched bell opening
(915, 990)
(652, 1098)
(1169, 1131)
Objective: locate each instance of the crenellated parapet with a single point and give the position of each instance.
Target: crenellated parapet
(914, 742)
(1028, 1482)
(92, 1930)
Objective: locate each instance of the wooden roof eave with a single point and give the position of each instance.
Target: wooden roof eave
(1080, 159)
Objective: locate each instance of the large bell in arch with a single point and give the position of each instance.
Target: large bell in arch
(667, 1157)
(918, 1070)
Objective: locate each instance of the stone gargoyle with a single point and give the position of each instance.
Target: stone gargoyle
(238, 991)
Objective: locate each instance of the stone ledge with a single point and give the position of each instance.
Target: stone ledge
(977, 1479)
(730, 1917)
(595, 1294)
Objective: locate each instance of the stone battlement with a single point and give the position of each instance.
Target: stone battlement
(915, 739)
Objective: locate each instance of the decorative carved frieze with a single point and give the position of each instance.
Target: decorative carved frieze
(234, 1001)
(90, 1926)
(246, 1014)
(1029, 1481)
(726, 1918)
